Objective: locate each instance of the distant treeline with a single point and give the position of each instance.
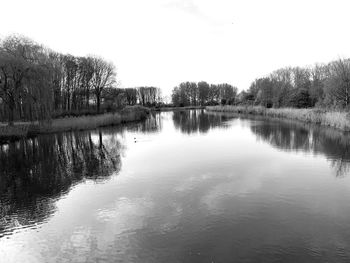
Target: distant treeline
(323, 85)
(145, 96)
(37, 83)
(203, 93)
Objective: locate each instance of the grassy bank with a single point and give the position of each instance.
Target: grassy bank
(178, 108)
(335, 119)
(19, 130)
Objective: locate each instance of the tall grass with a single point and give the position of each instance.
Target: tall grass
(86, 122)
(336, 119)
(17, 131)
(128, 114)
(165, 108)
(134, 113)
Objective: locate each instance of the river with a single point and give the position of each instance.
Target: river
(183, 186)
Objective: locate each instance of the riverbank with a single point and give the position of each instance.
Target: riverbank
(24, 129)
(178, 108)
(336, 119)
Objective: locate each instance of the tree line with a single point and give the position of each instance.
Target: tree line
(37, 83)
(322, 85)
(145, 96)
(203, 93)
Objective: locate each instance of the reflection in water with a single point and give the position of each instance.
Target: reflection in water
(36, 171)
(152, 124)
(215, 196)
(197, 121)
(295, 136)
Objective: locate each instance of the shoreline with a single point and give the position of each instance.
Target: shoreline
(335, 119)
(178, 108)
(28, 129)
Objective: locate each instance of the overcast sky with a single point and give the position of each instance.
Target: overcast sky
(165, 42)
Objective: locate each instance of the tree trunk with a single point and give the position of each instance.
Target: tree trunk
(98, 101)
(87, 99)
(11, 114)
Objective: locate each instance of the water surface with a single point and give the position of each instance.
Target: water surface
(183, 186)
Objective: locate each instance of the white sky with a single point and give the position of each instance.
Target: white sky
(165, 42)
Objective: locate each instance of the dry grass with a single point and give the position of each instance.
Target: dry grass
(336, 119)
(134, 113)
(14, 131)
(86, 122)
(128, 114)
(178, 108)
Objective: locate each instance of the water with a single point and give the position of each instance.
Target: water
(180, 187)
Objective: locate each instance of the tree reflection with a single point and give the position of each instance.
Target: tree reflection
(194, 121)
(34, 172)
(295, 136)
(152, 124)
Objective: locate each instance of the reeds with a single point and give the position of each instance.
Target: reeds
(177, 108)
(128, 114)
(85, 122)
(15, 132)
(336, 119)
(134, 113)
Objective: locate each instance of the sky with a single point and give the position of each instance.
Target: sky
(165, 42)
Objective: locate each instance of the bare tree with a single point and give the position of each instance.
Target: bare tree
(338, 82)
(104, 76)
(16, 55)
(203, 92)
